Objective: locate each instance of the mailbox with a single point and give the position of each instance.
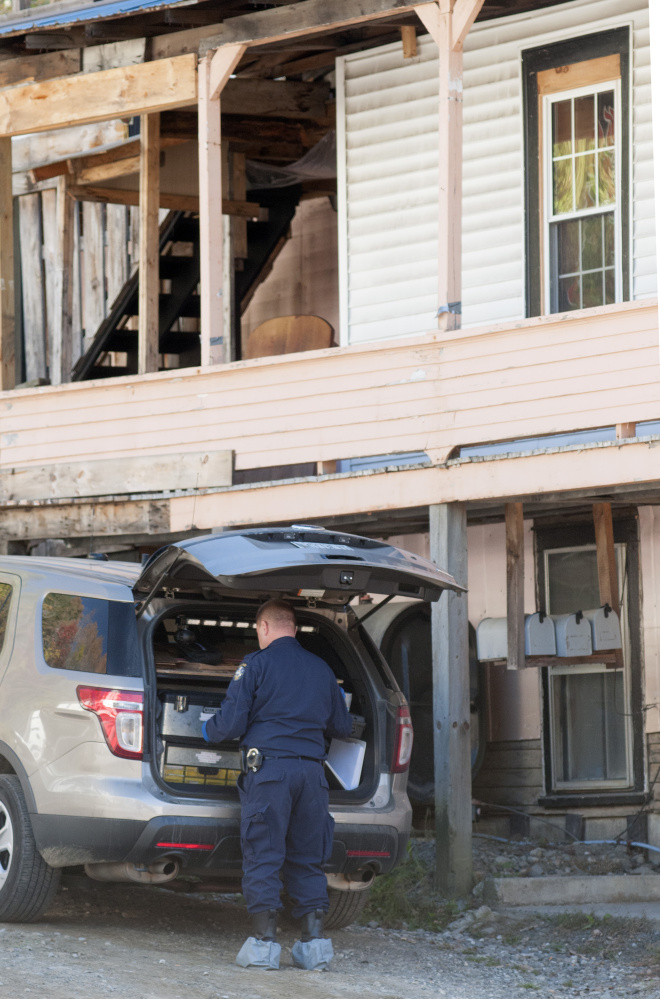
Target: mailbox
(540, 636)
(572, 634)
(491, 638)
(605, 628)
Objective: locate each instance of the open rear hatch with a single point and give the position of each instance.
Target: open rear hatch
(298, 561)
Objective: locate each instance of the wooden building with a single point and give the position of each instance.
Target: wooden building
(456, 199)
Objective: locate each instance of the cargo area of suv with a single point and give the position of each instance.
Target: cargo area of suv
(197, 648)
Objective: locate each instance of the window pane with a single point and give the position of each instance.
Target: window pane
(589, 733)
(606, 179)
(606, 119)
(592, 290)
(562, 186)
(585, 181)
(561, 128)
(609, 287)
(89, 635)
(608, 221)
(568, 247)
(573, 581)
(592, 243)
(569, 294)
(584, 124)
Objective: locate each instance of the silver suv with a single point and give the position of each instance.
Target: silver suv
(107, 671)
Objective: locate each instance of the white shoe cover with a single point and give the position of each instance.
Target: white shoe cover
(312, 955)
(259, 954)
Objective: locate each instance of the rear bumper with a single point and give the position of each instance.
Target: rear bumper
(209, 844)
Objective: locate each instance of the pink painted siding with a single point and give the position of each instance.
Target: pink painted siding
(431, 393)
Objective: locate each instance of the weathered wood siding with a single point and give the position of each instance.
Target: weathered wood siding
(421, 394)
(388, 156)
(511, 774)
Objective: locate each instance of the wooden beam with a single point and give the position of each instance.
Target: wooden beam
(113, 93)
(39, 67)
(451, 705)
(114, 476)
(223, 64)
(182, 42)
(275, 98)
(429, 15)
(61, 359)
(608, 577)
(106, 171)
(515, 585)
(7, 305)
(75, 520)
(303, 18)
(409, 41)
(464, 15)
(172, 202)
(213, 346)
(149, 254)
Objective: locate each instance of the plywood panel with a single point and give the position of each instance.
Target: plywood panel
(93, 268)
(32, 279)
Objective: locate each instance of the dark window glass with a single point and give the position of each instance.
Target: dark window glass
(89, 635)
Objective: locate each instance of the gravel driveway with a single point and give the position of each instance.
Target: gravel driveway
(146, 943)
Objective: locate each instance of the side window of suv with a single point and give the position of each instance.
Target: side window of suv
(89, 635)
(5, 603)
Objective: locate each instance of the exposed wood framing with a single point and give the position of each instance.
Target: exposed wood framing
(223, 64)
(451, 705)
(608, 578)
(34, 325)
(515, 585)
(275, 98)
(61, 359)
(438, 21)
(114, 476)
(117, 235)
(7, 321)
(39, 67)
(149, 253)
(409, 41)
(172, 202)
(625, 431)
(304, 18)
(75, 520)
(464, 15)
(213, 348)
(93, 269)
(76, 100)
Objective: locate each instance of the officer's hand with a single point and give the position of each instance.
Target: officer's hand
(358, 725)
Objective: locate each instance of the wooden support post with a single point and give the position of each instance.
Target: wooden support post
(210, 220)
(149, 256)
(624, 431)
(451, 705)
(7, 305)
(438, 21)
(515, 585)
(61, 358)
(409, 41)
(608, 577)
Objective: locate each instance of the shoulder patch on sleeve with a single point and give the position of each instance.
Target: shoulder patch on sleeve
(240, 671)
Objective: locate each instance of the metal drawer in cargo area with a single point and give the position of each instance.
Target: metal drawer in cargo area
(208, 766)
(184, 714)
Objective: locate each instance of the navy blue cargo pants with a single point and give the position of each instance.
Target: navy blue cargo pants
(285, 826)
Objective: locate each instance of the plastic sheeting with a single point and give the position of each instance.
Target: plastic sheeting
(312, 955)
(320, 163)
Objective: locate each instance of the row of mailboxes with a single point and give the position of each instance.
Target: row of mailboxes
(578, 634)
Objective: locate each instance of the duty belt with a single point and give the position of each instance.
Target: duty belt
(254, 758)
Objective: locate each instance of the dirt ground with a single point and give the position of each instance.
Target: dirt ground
(132, 942)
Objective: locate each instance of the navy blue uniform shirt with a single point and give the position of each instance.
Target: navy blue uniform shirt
(282, 700)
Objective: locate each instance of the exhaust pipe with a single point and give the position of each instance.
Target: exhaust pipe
(150, 874)
(340, 882)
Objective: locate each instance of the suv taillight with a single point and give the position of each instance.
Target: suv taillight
(403, 741)
(120, 714)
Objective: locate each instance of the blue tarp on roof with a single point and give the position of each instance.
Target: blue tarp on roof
(41, 18)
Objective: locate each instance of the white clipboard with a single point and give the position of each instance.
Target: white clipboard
(345, 758)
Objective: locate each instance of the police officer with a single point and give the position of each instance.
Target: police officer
(283, 702)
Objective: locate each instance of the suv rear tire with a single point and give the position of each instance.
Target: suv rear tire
(345, 907)
(27, 882)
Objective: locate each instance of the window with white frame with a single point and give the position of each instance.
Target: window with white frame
(582, 171)
(590, 730)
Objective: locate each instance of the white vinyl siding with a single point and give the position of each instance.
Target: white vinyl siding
(387, 118)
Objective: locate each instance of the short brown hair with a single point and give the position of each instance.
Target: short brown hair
(278, 612)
